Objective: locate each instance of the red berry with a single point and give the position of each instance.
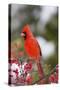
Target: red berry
(52, 78)
(21, 53)
(28, 67)
(16, 72)
(20, 79)
(56, 77)
(28, 79)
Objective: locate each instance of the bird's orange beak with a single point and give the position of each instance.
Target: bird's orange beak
(22, 34)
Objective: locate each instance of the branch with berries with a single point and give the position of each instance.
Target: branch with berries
(52, 77)
(20, 74)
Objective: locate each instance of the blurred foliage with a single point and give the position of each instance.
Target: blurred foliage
(47, 69)
(51, 34)
(36, 77)
(30, 18)
(52, 29)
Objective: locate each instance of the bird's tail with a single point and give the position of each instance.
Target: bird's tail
(40, 70)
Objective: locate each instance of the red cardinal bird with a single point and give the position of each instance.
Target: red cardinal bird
(32, 48)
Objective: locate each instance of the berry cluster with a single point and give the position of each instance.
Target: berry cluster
(20, 73)
(54, 77)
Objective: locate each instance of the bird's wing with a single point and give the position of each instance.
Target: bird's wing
(39, 48)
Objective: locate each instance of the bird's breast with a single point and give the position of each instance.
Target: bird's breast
(32, 48)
